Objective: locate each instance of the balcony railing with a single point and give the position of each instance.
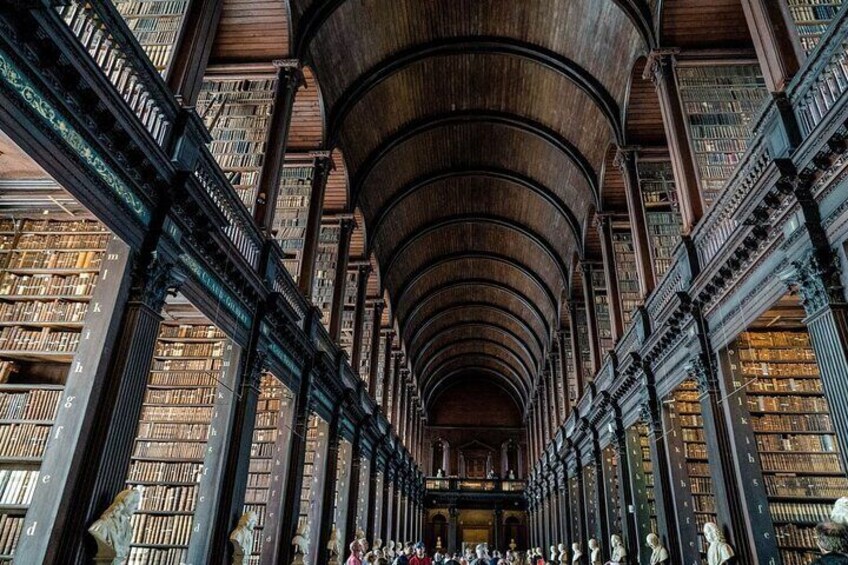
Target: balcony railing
(456, 484)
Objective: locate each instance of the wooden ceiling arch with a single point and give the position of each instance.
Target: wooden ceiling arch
(448, 380)
(481, 313)
(479, 294)
(475, 133)
(471, 331)
(506, 264)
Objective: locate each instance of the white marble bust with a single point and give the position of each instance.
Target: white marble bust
(659, 554)
(594, 552)
(242, 538)
(619, 552)
(718, 551)
(113, 530)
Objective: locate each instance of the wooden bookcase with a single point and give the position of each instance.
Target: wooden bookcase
(811, 19)
(642, 486)
(625, 268)
(602, 309)
(365, 354)
(694, 500)
(156, 25)
(585, 349)
(349, 313)
(271, 439)
(48, 272)
(237, 112)
(187, 401)
(612, 491)
(311, 497)
(341, 486)
(590, 502)
(325, 270)
(721, 102)
(292, 212)
(378, 504)
(363, 498)
(797, 448)
(662, 217)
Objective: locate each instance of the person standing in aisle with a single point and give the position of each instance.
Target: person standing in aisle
(420, 557)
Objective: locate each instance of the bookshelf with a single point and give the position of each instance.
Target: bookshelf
(574, 498)
(365, 357)
(625, 267)
(381, 368)
(795, 438)
(292, 213)
(378, 504)
(172, 450)
(585, 348)
(237, 112)
(721, 102)
(156, 24)
(697, 503)
(612, 489)
(48, 271)
(602, 310)
(341, 489)
(811, 19)
(642, 481)
(364, 495)
(349, 313)
(590, 501)
(325, 270)
(310, 493)
(274, 401)
(568, 364)
(662, 217)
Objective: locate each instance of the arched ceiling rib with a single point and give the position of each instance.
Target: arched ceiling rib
(474, 134)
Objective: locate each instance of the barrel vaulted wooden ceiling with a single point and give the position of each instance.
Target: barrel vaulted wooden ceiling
(476, 137)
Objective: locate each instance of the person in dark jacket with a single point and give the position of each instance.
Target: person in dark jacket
(832, 539)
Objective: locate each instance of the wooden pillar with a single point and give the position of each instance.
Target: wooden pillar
(289, 78)
(387, 372)
(660, 69)
(591, 317)
(340, 279)
(545, 411)
(580, 505)
(322, 165)
(386, 501)
(604, 225)
(625, 159)
(191, 54)
(563, 375)
(555, 397)
(364, 271)
(453, 518)
(600, 499)
(374, 365)
(775, 41)
(565, 506)
(117, 326)
(371, 532)
(576, 357)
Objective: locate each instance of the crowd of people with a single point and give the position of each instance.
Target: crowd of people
(831, 537)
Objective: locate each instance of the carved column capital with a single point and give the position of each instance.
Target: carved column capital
(153, 280)
(700, 369)
(817, 279)
(625, 155)
(659, 64)
(253, 378)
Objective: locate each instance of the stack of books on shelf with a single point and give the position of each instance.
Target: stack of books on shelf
(585, 348)
(170, 446)
(156, 25)
(659, 197)
(687, 411)
(292, 213)
(310, 490)
(626, 271)
(812, 18)
(365, 357)
(237, 112)
(613, 490)
(48, 271)
(602, 309)
(721, 103)
(325, 270)
(797, 443)
(273, 397)
(349, 313)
